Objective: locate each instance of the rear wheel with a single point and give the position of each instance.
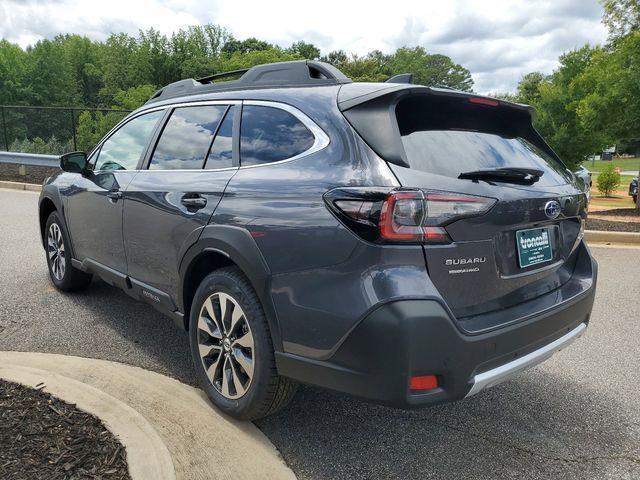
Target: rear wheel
(232, 350)
(63, 275)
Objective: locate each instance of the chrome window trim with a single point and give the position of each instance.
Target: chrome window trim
(321, 139)
(136, 114)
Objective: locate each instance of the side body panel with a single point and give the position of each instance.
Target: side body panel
(94, 219)
(157, 226)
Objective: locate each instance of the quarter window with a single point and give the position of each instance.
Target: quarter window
(270, 134)
(123, 149)
(186, 138)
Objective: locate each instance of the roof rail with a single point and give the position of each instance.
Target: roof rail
(231, 73)
(298, 73)
(400, 78)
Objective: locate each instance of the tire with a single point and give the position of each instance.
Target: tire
(240, 357)
(64, 276)
(635, 199)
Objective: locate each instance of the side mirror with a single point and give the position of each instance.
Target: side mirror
(74, 162)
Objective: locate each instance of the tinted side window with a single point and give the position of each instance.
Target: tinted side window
(221, 154)
(270, 134)
(123, 149)
(186, 137)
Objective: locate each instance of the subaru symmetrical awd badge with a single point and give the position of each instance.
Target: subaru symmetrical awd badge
(552, 209)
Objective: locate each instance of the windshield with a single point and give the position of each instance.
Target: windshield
(453, 138)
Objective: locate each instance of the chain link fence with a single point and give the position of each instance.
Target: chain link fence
(54, 130)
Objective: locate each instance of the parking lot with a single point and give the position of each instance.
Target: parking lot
(575, 416)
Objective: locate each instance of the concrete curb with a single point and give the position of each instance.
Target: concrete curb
(31, 187)
(147, 455)
(597, 236)
(203, 443)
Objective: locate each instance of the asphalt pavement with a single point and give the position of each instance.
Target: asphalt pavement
(575, 416)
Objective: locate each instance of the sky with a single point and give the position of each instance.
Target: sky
(497, 40)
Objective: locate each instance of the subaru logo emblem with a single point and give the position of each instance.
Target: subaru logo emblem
(552, 209)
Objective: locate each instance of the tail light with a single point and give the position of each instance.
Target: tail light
(408, 216)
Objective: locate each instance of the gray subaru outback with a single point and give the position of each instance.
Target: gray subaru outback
(406, 244)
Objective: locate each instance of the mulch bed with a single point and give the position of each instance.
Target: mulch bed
(607, 226)
(617, 212)
(42, 437)
(615, 224)
(35, 175)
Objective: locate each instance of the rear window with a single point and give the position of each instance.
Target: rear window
(448, 138)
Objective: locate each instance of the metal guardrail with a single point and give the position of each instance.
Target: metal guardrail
(30, 159)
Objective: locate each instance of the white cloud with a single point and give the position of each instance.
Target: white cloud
(498, 40)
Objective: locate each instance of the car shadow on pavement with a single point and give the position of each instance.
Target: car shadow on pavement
(535, 426)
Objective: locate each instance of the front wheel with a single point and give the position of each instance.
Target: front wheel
(635, 199)
(63, 275)
(232, 349)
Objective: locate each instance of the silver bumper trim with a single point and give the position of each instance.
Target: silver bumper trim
(508, 370)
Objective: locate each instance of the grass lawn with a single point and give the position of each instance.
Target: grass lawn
(619, 198)
(630, 164)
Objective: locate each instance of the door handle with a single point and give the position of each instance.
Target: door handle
(194, 201)
(114, 195)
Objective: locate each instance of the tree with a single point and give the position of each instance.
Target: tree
(305, 50)
(621, 17)
(239, 60)
(369, 68)
(84, 57)
(121, 66)
(529, 88)
(133, 97)
(430, 69)
(611, 103)
(245, 46)
(13, 72)
(92, 126)
(50, 75)
(337, 58)
(608, 180)
(557, 109)
(506, 96)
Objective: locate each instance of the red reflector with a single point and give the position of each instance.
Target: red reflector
(484, 101)
(424, 382)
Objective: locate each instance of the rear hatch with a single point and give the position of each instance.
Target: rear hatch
(449, 143)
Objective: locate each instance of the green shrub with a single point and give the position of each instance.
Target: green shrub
(52, 146)
(608, 180)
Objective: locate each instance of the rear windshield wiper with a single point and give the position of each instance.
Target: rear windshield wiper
(525, 176)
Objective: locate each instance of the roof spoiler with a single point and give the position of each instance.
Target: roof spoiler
(373, 114)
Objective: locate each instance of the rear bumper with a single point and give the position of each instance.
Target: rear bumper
(504, 372)
(411, 337)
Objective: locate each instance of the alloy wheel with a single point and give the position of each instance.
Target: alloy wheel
(55, 251)
(226, 346)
